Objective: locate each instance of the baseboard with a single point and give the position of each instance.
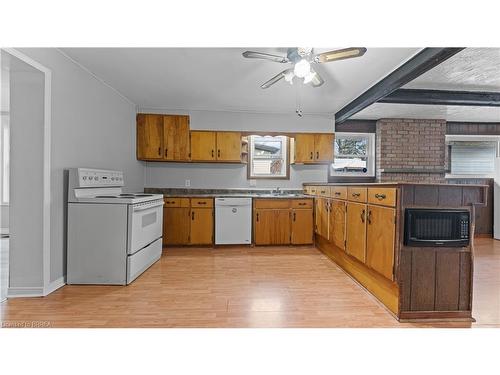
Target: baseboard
(54, 285)
(24, 291)
(28, 291)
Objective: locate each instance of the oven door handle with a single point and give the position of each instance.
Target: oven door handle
(143, 208)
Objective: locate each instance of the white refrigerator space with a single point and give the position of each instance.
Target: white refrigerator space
(233, 221)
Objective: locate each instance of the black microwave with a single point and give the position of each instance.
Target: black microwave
(435, 227)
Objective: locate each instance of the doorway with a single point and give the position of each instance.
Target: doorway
(24, 176)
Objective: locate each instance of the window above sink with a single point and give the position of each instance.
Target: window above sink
(268, 157)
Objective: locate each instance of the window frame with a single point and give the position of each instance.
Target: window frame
(250, 158)
(370, 155)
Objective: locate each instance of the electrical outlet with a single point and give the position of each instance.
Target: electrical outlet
(187, 183)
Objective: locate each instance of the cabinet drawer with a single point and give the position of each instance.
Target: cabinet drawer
(323, 191)
(302, 203)
(338, 192)
(272, 203)
(176, 202)
(382, 196)
(202, 202)
(356, 194)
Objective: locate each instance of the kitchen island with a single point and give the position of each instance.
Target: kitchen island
(361, 228)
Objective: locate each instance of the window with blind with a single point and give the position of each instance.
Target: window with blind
(473, 157)
(268, 157)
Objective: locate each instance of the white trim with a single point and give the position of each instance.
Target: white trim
(25, 291)
(46, 168)
(95, 76)
(54, 285)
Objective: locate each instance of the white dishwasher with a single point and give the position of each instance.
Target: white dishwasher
(233, 221)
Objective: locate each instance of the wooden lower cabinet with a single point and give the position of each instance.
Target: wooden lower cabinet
(202, 226)
(176, 225)
(381, 231)
(338, 223)
(322, 212)
(302, 227)
(272, 226)
(356, 230)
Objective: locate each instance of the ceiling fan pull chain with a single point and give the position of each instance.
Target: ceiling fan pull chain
(298, 110)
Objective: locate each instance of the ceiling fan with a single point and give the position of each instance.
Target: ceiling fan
(303, 60)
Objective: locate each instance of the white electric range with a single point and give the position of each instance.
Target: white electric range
(113, 236)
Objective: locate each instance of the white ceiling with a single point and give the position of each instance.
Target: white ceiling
(220, 79)
(473, 69)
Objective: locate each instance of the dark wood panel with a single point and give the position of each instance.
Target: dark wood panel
(426, 195)
(357, 126)
(471, 128)
(447, 280)
(464, 302)
(450, 196)
(443, 97)
(407, 195)
(405, 281)
(423, 279)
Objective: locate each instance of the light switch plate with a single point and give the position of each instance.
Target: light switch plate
(187, 183)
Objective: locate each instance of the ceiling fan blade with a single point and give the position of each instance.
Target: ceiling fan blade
(265, 56)
(340, 54)
(275, 79)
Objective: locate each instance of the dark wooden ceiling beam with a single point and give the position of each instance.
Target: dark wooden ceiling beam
(423, 61)
(443, 97)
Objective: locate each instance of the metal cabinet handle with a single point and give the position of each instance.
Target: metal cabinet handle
(356, 194)
(212, 153)
(218, 153)
(159, 150)
(363, 216)
(369, 216)
(312, 155)
(294, 216)
(201, 202)
(302, 204)
(166, 152)
(380, 196)
(257, 219)
(192, 215)
(337, 193)
(317, 154)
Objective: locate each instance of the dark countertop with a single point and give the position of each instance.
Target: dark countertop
(386, 184)
(232, 193)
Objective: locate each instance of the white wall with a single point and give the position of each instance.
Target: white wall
(205, 175)
(92, 126)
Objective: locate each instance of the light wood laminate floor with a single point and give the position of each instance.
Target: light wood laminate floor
(241, 287)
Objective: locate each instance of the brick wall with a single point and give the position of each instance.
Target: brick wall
(410, 150)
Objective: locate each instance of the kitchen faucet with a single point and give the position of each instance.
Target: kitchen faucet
(277, 191)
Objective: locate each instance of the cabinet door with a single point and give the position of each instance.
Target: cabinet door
(272, 227)
(149, 137)
(322, 210)
(203, 146)
(229, 146)
(323, 148)
(304, 148)
(356, 230)
(302, 227)
(202, 226)
(176, 223)
(176, 137)
(337, 223)
(380, 239)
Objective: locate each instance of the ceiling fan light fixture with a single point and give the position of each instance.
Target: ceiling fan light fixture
(302, 68)
(308, 78)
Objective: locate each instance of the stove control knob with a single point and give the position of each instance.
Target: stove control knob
(84, 177)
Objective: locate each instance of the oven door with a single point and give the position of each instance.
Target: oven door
(145, 224)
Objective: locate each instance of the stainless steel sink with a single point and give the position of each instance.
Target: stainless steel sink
(275, 195)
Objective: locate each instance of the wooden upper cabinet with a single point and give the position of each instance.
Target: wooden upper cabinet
(203, 146)
(323, 148)
(338, 223)
(380, 239)
(229, 146)
(356, 230)
(202, 226)
(176, 138)
(302, 226)
(162, 137)
(149, 137)
(304, 148)
(312, 148)
(272, 226)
